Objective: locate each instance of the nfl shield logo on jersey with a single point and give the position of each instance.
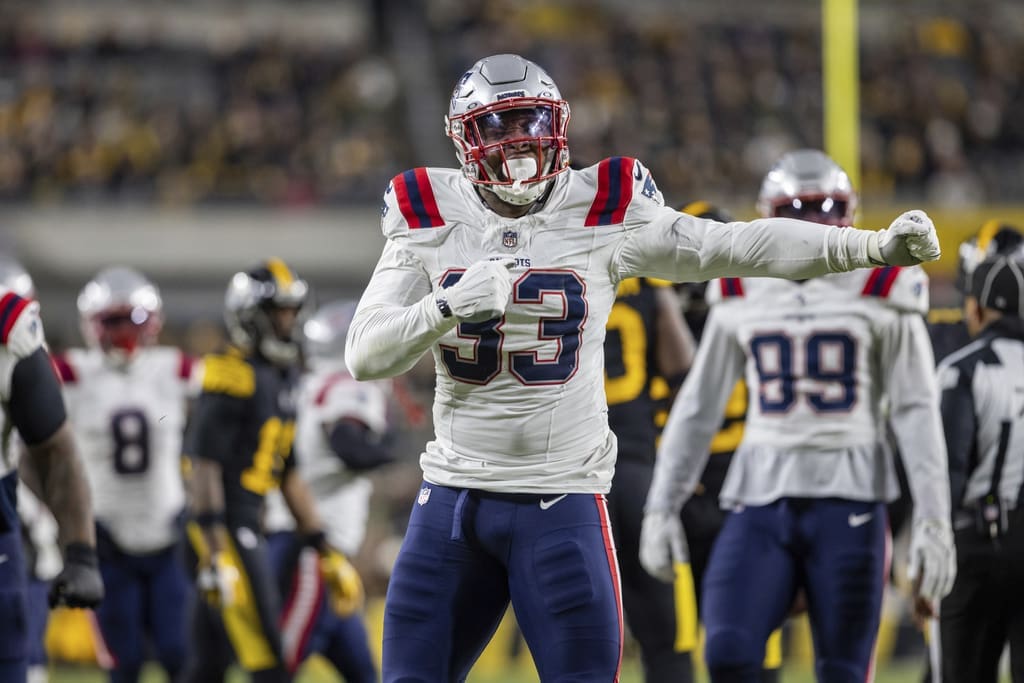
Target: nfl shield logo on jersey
(509, 239)
(424, 496)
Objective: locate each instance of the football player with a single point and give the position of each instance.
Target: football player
(50, 466)
(808, 484)
(645, 337)
(38, 527)
(240, 442)
(506, 270)
(339, 438)
(127, 400)
(702, 516)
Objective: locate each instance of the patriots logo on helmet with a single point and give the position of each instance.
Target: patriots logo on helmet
(509, 239)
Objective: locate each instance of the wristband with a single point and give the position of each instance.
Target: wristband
(874, 250)
(317, 539)
(80, 553)
(442, 305)
(209, 518)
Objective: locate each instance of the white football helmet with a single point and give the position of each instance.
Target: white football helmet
(120, 310)
(248, 302)
(508, 121)
(808, 185)
(325, 333)
(14, 277)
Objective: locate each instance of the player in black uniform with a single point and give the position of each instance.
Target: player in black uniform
(240, 444)
(645, 336)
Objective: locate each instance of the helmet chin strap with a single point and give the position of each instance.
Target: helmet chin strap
(520, 192)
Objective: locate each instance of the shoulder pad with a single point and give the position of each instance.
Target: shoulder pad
(902, 288)
(410, 204)
(228, 374)
(722, 289)
(619, 180)
(21, 331)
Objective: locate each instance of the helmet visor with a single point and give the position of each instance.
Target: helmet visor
(826, 210)
(509, 125)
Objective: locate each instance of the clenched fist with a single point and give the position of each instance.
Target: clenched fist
(910, 239)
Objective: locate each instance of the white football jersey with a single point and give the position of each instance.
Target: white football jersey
(327, 395)
(827, 361)
(128, 423)
(519, 401)
(21, 334)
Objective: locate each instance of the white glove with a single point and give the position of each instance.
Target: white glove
(483, 291)
(932, 567)
(911, 239)
(662, 544)
(218, 580)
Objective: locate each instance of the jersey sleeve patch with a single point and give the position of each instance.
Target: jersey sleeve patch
(880, 281)
(63, 368)
(228, 375)
(730, 287)
(614, 191)
(11, 306)
(416, 199)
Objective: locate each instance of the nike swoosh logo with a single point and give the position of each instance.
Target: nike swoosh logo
(545, 504)
(860, 520)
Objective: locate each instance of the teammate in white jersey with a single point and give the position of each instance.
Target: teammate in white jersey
(506, 271)
(38, 527)
(808, 484)
(127, 401)
(34, 409)
(339, 436)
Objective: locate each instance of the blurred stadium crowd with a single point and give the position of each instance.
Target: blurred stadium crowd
(195, 105)
(97, 108)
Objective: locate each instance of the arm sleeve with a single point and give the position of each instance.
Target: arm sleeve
(36, 406)
(358, 446)
(695, 417)
(680, 247)
(216, 421)
(397, 319)
(960, 423)
(914, 402)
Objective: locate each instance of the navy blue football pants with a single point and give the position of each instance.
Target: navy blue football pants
(14, 620)
(466, 554)
(149, 599)
(837, 551)
(309, 625)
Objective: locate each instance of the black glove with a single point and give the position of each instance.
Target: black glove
(79, 584)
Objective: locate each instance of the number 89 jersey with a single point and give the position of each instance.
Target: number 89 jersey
(822, 359)
(128, 423)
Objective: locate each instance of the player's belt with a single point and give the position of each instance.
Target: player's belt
(528, 498)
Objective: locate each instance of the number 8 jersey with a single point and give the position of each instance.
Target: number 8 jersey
(828, 361)
(128, 421)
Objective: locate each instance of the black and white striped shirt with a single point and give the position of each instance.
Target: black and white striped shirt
(983, 415)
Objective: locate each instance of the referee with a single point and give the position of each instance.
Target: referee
(983, 415)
